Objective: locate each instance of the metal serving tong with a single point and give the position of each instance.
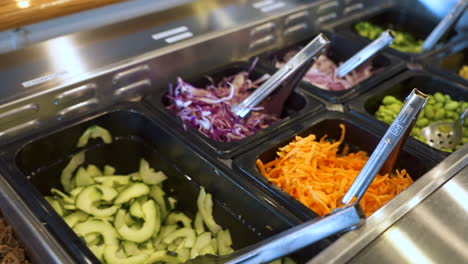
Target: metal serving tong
(445, 24)
(385, 39)
(349, 216)
(297, 66)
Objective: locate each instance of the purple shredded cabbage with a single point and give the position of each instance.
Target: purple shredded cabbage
(209, 109)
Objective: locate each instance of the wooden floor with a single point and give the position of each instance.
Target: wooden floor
(17, 13)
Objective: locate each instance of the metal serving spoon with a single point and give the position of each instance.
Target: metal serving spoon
(385, 39)
(348, 217)
(445, 135)
(290, 74)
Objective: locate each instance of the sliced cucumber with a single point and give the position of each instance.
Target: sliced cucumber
(75, 217)
(165, 231)
(133, 191)
(148, 175)
(98, 250)
(67, 173)
(198, 223)
(106, 230)
(277, 261)
(183, 254)
(163, 257)
(55, 204)
(119, 219)
(111, 256)
(82, 178)
(202, 241)
(94, 132)
(205, 208)
(160, 197)
(113, 180)
(178, 217)
(92, 239)
(91, 195)
(135, 210)
(93, 171)
(146, 231)
(69, 207)
(75, 192)
(108, 170)
(208, 249)
(185, 232)
(224, 242)
(65, 199)
(132, 248)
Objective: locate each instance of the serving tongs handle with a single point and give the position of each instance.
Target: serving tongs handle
(385, 39)
(314, 48)
(445, 24)
(386, 152)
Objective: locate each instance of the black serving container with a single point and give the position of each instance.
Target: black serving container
(428, 82)
(340, 50)
(33, 167)
(407, 16)
(449, 61)
(298, 105)
(360, 135)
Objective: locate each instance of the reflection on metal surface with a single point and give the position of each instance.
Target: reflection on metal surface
(433, 232)
(87, 90)
(458, 194)
(23, 4)
(364, 245)
(404, 245)
(65, 56)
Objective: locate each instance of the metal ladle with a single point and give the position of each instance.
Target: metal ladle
(348, 217)
(445, 135)
(289, 75)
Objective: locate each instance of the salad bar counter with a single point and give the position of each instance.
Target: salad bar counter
(119, 145)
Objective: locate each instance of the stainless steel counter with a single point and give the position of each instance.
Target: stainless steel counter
(424, 224)
(435, 231)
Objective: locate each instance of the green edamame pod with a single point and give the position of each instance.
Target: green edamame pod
(422, 122)
(451, 105)
(439, 114)
(439, 97)
(387, 100)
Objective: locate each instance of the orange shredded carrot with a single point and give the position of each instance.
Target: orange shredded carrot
(314, 173)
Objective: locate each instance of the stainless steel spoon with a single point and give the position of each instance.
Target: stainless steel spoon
(445, 135)
(343, 219)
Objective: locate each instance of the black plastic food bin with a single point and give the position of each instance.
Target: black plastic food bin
(340, 50)
(35, 166)
(426, 81)
(449, 61)
(360, 135)
(297, 105)
(406, 16)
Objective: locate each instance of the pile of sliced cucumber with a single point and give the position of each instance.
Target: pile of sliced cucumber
(129, 218)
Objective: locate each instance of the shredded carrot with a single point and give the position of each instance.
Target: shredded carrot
(314, 173)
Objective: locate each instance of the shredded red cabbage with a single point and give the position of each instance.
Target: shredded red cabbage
(322, 73)
(209, 109)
